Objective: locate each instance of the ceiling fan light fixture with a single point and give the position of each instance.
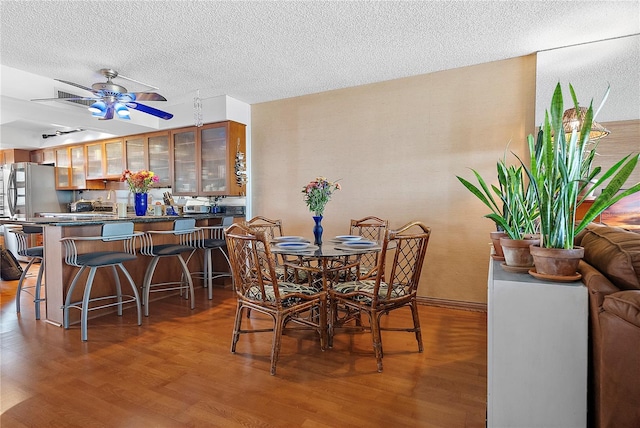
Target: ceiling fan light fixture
(122, 111)
(98, 109)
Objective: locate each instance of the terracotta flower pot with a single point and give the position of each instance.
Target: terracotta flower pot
(556, 262)
(495, 240)
(516, 251)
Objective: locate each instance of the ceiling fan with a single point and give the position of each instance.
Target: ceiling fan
(58, 133)
(113, 100)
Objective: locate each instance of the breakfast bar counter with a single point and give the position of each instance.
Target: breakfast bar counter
(58, 274)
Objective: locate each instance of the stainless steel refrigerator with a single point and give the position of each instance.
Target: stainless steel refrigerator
(28, 189)
(31, 189)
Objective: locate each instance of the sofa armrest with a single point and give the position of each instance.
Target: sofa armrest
(598, 285)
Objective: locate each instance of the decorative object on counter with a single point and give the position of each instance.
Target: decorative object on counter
(316, 195)
(241, 166)
(317, 230)
(140, 203)
(139, 184)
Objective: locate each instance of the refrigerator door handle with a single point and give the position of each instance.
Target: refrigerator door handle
(12, 192)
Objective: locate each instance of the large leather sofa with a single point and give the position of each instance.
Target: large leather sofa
(611, 271)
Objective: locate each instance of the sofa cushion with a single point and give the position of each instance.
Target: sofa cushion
(615, 252)
(625, 305)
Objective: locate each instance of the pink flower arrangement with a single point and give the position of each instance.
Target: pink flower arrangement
(139, 182)
(318, 193)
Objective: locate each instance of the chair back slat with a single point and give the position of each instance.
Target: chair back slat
(117, 231)
(252, 264)
(401, 260)
(271, 228)
(373, 229)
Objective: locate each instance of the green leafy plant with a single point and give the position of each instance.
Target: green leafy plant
(514, 207)
(318, 193)
(557, 174)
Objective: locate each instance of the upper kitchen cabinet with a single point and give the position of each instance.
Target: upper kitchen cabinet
(151, 152)
(43, 156)
(204, 159)
(10, 156)
(71, 169)
(105, 160)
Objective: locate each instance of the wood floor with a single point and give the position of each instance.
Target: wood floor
(176, 370)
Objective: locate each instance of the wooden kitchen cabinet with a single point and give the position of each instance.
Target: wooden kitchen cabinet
(204, 159)
(70, 168)
(150, 152)
(105, 160)
(43, 156)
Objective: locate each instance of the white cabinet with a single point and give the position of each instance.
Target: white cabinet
(536, 352)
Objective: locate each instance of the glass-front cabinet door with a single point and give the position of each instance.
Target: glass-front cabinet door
(113, 164)
(94, 161)
(78, 177)
(136, 154)
(63, 169)
(184, 162)
(213, 160)
(158, 148)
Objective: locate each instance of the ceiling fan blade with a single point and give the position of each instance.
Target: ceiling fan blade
(150, 110)
(148, 96)
(75, 84)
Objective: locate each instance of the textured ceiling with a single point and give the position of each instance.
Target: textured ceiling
(267, 50)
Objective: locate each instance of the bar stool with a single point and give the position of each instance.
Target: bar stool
(35, 255)
(110, 232)
(209, 239)
(184, 229)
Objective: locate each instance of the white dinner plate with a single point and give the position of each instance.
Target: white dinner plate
(293, 245)
(288, 239)
(359, 244)
(348, 238)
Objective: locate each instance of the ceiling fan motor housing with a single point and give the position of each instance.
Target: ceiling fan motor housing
(109, 89)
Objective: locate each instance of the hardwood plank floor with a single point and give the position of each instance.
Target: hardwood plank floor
(176, 370)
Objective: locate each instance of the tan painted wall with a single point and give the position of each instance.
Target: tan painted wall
(397, 147)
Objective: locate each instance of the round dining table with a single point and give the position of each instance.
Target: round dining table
(325, 258)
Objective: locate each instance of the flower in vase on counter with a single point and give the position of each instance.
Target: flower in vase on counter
(318, 192)
(139, 182)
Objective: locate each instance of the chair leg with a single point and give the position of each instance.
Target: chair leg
(38, 295)
(67, 301)
(416, 324)
(236, 327)
(134, 289)
(279, 322)
(146, 284)
(187, 274)
(208, 272)
(85, 304)
(116, 279)
(374, 320)
(323, 324)
(21, 283)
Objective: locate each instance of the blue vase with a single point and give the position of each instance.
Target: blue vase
(140, 203)
(317, 230)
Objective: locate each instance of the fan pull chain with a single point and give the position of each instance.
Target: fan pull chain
(197, 109)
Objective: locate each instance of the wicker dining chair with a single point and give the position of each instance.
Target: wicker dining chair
(258, 289)
(373, 229)
(392, 285)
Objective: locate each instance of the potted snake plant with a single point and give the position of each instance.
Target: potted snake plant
(514, 210)
(556, 174)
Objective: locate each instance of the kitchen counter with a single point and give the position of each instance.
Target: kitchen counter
(58, 274)
(91, 218)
